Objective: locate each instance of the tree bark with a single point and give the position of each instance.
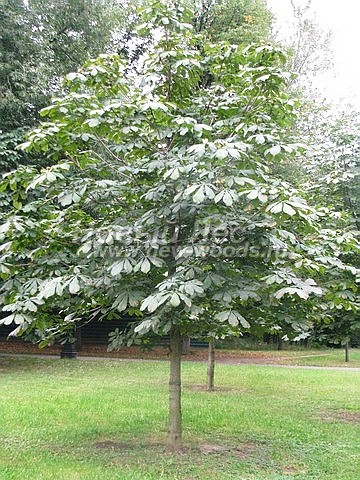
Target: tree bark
(211, 366)
(279, 342)
(174, 423)
(346, 351)
(185, 345)
(78, 338)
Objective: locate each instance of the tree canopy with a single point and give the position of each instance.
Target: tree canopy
(238, 21)
(162, 198)
(37, 47)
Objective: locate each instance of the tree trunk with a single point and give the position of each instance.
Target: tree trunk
(185, 345)
(279, 342)
(68, 350)
(78, 338)
(346, 351)
(174, 422)
(211, 366)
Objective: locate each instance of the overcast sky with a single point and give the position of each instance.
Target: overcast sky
(342, 18)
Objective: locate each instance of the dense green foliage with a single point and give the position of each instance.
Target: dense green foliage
(164, 198)
(332, 167)
(218, 235)
(238, 21)
(159, 190)
(37, 47)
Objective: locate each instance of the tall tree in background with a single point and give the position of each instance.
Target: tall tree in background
(332, 167)
(38, 45)
(238, 21)
(311, 47)
(328, 170)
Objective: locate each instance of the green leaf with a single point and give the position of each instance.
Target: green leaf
(199, 195)
(274, 150)
(275, 207)
(66, 199)
(260, 139)
(71, 76)
(252, 195)
(7, 320)
(93, 122)
(221, 153)
(145, 266)
(243, 321)
(74, 286)
(227, 199)
(288, 209)
(116, 267)
(121, 302)
(175, 300)
(49, 289)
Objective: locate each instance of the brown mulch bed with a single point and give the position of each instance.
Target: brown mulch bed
(15, 346)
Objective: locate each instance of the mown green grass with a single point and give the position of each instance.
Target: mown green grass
(324, 358)
(106, 420)
(321, 357)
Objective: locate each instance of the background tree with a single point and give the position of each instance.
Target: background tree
(311, 47)
(237, 21)
(328, 171)
(331, 176)
(37, 47)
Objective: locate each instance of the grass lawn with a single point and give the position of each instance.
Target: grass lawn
(106, 420)
(324, 358)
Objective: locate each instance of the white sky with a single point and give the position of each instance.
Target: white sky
(342, 84)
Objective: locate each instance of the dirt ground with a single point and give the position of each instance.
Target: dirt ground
(227, 357)
(158, 353)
